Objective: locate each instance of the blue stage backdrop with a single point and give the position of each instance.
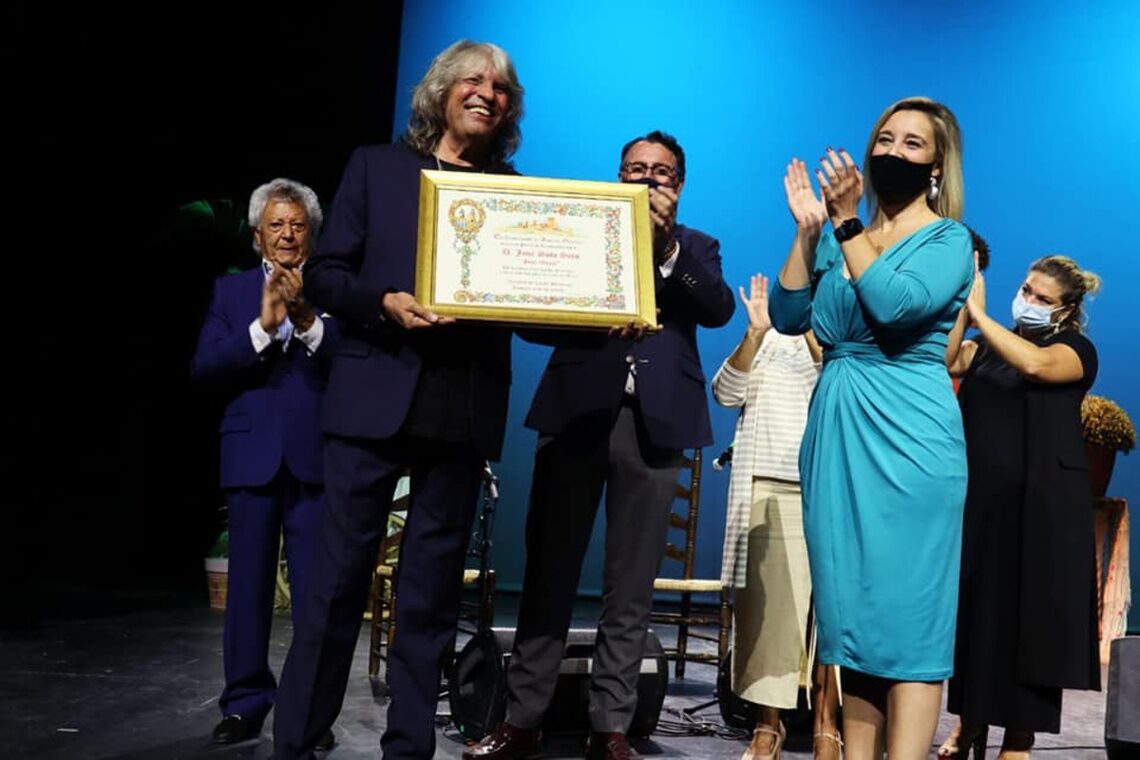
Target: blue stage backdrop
(1047, 93)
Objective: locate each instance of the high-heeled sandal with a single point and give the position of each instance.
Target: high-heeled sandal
(830, 737)
(975, 746)
(774, 754)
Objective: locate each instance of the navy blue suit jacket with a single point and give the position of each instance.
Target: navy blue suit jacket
(273, 399)
(582, 387)
(368, 248)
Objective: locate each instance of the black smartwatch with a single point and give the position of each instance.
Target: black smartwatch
(848, 229)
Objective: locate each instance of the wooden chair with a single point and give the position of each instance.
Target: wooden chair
(716, 613)
(382, 600)
(282, 591)
(381, 612)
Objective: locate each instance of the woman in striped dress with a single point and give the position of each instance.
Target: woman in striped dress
(770, 378)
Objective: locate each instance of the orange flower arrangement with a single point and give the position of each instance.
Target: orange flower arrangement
(1106, 424)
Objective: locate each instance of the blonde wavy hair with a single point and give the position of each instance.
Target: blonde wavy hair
(951, 198)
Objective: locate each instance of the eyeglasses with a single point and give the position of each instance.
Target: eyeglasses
(660, 172)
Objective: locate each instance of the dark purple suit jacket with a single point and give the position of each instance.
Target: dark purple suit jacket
(368, 248)
(273, 399)
(582, 387)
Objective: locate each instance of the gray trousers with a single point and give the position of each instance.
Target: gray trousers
(569, 474)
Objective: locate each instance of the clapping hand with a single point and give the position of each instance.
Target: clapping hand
(300, 312)
(663, 212)
(976, 302)
(842, 185)
(272, 300)
(756, 304)
(807, 210)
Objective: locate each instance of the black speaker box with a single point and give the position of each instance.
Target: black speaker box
(1122, 708)
(477, 685)
(738, 712)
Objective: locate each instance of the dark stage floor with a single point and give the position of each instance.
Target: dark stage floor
(105, 680)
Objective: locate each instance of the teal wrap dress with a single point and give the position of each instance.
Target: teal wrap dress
(883, 459)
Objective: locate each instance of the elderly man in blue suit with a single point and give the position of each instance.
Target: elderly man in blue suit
(613, 413)
(270, 350)
(408, 390)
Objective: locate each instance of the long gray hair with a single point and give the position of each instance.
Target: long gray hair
(290, 191)
(429, 100)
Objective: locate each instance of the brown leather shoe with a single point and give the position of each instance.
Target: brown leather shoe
(507, 742)
(608, 745)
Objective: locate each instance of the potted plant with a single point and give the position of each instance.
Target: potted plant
(1107, 430)
(217, 570)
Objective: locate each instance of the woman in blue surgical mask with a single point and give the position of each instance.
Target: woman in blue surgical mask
(1027, 594)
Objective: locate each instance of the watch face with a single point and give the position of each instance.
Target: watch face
(848, 229)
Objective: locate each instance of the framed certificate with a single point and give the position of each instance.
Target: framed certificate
(528, 250)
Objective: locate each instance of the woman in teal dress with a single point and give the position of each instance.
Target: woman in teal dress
(883, 459)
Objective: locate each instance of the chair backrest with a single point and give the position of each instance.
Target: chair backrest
(686, 519)
(389, 553)
(390, 545)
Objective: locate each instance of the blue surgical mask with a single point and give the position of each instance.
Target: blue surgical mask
(1032, 317)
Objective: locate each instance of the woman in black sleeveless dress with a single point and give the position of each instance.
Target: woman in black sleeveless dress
(1027, 599)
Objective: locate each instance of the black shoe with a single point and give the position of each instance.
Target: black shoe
(326, 742)
(609, 745)
(507, 742)
(236, 728)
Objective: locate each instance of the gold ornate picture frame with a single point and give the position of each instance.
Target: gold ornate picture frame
(531, 250)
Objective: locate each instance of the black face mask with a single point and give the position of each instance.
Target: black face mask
(897, 180)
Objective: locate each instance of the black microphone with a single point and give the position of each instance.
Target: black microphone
(724, 459)
(491, 480)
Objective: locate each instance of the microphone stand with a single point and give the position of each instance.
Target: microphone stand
(720, 463)
(483, 542)
(480, 548)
